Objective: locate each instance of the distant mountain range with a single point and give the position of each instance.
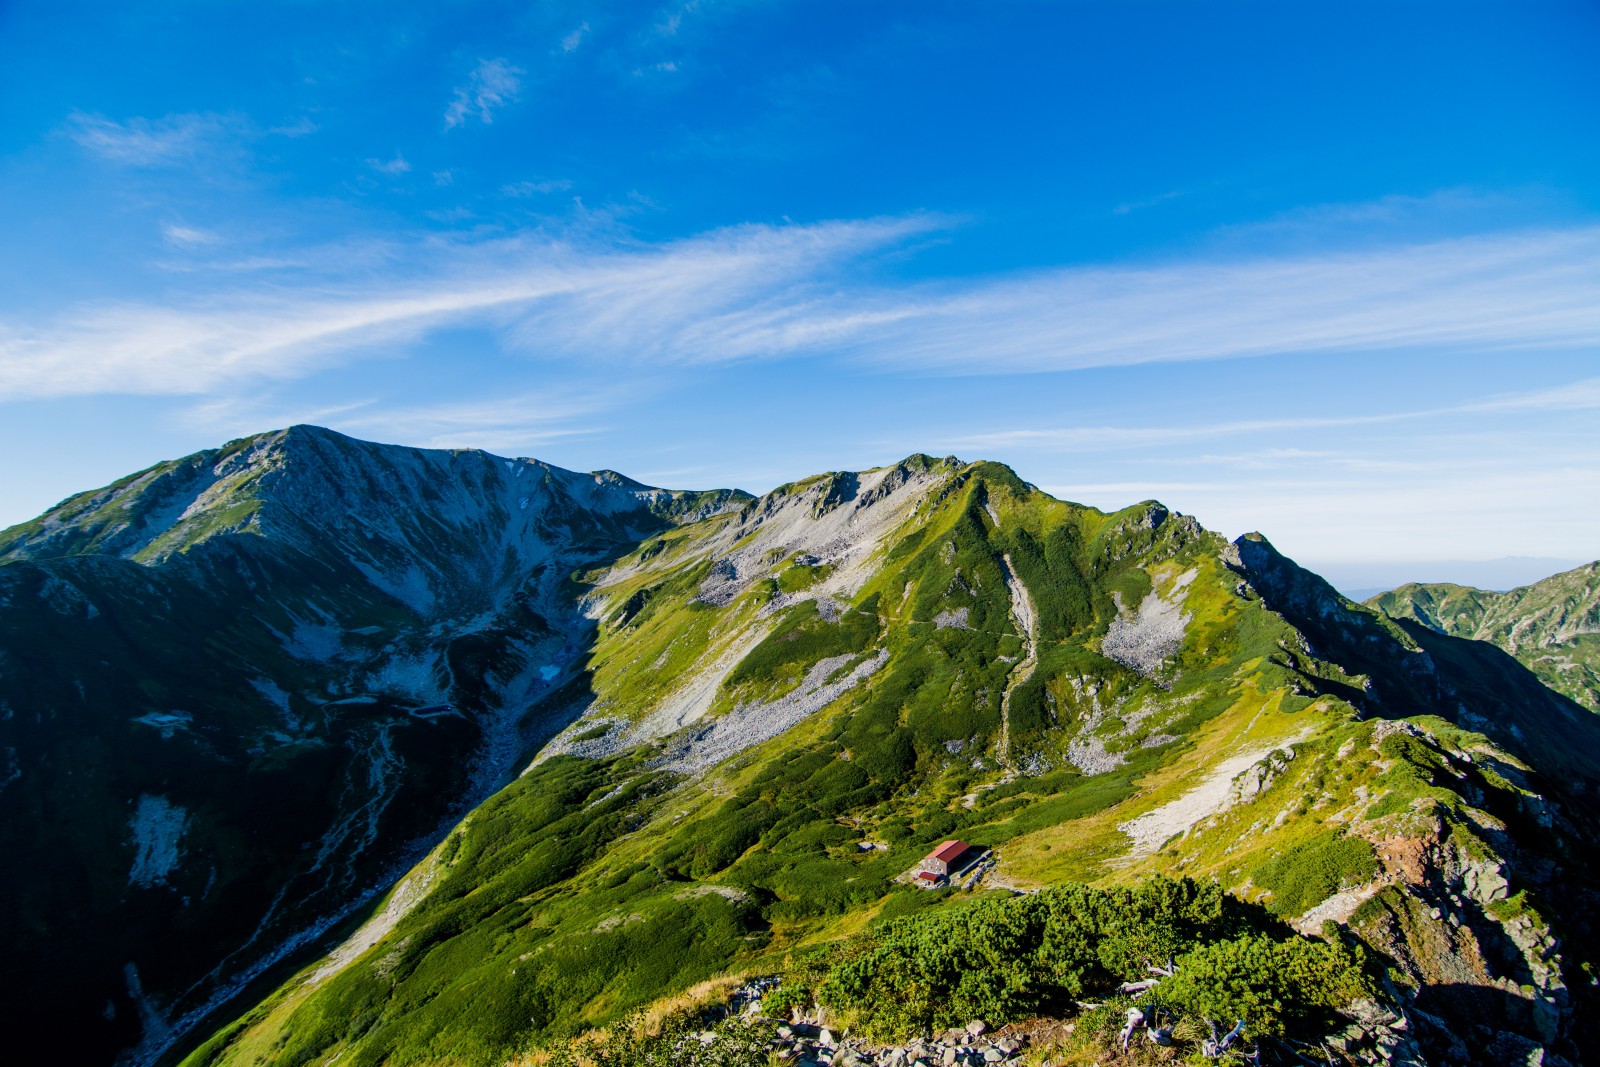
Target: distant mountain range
(1362, 581)
(1551, 626)
(324, 751)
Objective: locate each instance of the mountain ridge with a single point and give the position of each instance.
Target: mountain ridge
(207, 485)
(1552, 626)
(626, 739)
(1165, 658)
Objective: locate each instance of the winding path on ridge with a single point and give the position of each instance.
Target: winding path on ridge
(1028, 627)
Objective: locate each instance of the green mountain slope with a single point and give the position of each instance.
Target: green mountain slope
(242, 691)
(1552, 627)
(785, 705)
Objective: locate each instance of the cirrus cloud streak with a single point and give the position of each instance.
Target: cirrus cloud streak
(763, 292)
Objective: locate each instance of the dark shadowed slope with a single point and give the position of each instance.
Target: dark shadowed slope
(1551, 626)
(238, 688)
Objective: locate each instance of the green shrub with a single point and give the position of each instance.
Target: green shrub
(1271, 985)
(1000, 958)
(1054, 575)
(800, 576)
(1304, 877)
(1004, 958)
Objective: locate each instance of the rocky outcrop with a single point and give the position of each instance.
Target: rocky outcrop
(1376, 1033)
(1482, 967)
(1255, 779)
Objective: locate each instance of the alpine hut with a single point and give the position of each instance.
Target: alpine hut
(947, 857)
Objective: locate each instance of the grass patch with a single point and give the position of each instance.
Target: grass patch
(1309, 874)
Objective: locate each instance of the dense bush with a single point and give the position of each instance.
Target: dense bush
(1052, 572)
(1272, 985)
(1003, 958)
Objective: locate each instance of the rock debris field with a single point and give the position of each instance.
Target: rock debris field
(809, 1045)
(1145, 639)
(750, 724)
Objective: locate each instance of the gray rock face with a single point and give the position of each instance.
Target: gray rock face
(750, 724)
(1255, 779)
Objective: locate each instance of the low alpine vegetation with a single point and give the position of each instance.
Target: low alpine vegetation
(1176, 968)
(1193, 948)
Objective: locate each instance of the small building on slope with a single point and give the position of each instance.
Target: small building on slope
(944, 859)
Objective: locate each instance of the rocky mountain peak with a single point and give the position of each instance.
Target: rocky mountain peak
(306, 484)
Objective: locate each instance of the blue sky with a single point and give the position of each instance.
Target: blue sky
(1327, 271)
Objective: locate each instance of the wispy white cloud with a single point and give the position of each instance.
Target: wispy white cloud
(248, 413)
(195, 139)
(756, 292)
(182, 236)
(1129, 492)
(571, 41)
(1110, 438)
(671, 22)
(1583, 395)
(239, 266)
(538, 188)
(1153, 201)
(397, 165)
(503, 424)
(486, 422)
(1526, 289)
(1574, 396)
(141, 142)
(1503, 292)
(1459, 209)
(493, 83)
(301, 128)
(553, 296)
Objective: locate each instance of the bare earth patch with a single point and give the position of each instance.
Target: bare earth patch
(1154, 828)
(1338, 907)
(1023, 615)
